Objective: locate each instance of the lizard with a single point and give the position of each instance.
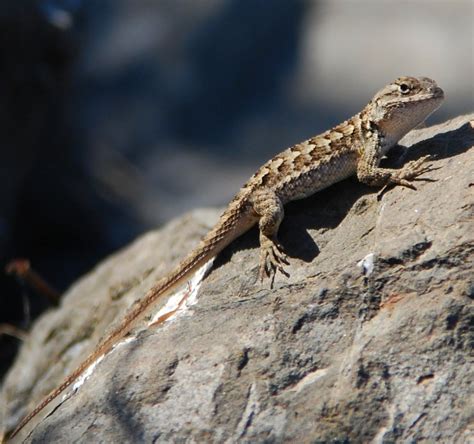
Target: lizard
(354, 147)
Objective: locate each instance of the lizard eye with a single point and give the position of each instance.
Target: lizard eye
(404, 88)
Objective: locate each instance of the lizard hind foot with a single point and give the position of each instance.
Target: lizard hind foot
(272, 259)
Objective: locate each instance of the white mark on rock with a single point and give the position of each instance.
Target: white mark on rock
(124, 341)
(89, 370)
(380, 214)
(309, 379)
(177, 304)
(251, 409)
(367, 264)
(379, 437)
(86, 374)
(180, 302)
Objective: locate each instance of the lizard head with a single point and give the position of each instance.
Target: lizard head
(404, 104)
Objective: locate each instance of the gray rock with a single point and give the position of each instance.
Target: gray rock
(339, 352)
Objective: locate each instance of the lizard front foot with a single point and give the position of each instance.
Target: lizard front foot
(272, 259)
(408, 173)
(411, 171)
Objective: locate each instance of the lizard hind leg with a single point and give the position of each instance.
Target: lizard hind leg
(268, 206)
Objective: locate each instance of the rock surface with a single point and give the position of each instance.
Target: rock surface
(338, 352)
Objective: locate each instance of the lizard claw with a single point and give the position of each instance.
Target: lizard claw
(272, 259)
(411, 171)
(416, 167)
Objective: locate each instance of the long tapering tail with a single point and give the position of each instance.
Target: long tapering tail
(222, 235)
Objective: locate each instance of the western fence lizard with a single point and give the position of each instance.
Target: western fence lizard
(355, 147)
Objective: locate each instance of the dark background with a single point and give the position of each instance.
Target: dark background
(117, 115)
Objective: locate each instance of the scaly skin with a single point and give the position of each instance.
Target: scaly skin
(355, 147)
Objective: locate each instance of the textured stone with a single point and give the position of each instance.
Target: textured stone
(380, 351)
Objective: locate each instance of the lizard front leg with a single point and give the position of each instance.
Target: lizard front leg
(269, 208)
(369, 172)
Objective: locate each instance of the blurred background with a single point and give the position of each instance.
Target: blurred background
(117, 115)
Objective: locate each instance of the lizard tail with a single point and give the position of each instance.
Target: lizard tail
(217, 239)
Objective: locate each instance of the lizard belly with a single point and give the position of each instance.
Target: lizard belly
(320, 177)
